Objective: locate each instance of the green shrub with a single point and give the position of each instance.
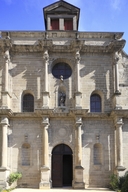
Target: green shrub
(14, 177)
(125, 185)
(114, 182)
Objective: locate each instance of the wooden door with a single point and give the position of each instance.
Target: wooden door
(61, 166)
(57, 171)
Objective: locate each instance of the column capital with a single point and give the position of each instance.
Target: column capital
(4, 121)
(45, 121)
(119, 121)
(46, 56)
(77, 56)
(116, 56)
(78, 121)
(7, 55)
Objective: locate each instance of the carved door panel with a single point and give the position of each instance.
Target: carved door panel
(57, 171)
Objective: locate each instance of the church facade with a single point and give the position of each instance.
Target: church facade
(63, 104)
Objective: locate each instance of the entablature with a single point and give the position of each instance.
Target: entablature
(62, 42)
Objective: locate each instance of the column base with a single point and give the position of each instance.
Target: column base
(45, 100)
(79, 185)
(4, 173)
(45, 181)
(78, 96)
(79, 179)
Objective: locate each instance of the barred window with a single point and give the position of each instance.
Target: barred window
(95, 103)
(28, 103)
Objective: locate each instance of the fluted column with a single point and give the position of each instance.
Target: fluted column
(45, 171)
(119, 144)
(78, 94)
(4, 126)
(78, 172)
(45, 92)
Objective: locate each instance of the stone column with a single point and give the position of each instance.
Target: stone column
(119, 144)
(5, 93)
(45, 171)
(4, 126)
(116, 74)
(7, 60)
(4, 171)
(45, 92)
(79, 178)
(78, 94)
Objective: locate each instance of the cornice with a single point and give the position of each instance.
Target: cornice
(120, 113)
(61, 41)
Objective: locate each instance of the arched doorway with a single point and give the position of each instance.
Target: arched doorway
(61, 166)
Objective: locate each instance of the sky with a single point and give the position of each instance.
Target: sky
(95, 15)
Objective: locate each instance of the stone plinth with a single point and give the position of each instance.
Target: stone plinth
(45, 181)
(79, 178)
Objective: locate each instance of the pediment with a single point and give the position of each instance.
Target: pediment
(61, 6)
(62, 9)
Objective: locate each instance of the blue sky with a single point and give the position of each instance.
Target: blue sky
(96, 15)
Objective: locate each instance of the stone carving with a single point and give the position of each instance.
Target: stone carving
(62, 99)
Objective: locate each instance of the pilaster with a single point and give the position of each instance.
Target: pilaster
(4, 170)
(116, 59)
(45, 171)
(78, 94)
(79, 178)
(5, 94)
(45, 93)
(119, 145)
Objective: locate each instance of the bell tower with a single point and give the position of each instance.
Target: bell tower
(61, 16)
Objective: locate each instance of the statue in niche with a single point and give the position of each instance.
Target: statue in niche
(62, 98)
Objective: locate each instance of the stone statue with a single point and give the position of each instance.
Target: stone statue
(62, 99)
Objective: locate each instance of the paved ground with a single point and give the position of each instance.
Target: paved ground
(61, 190)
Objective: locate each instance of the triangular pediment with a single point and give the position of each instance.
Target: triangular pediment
(62, 8)
(61, 5)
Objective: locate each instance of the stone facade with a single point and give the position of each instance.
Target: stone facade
(97, 139)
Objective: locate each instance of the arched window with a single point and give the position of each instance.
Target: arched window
(97, 154)
(28, 103)
(95, 103)
(25, 154)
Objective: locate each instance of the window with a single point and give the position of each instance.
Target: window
(97, 154)
(61, 69)
(95, 103)
(28, 103)
(68, 24)
(25, 154)
(54, 24)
